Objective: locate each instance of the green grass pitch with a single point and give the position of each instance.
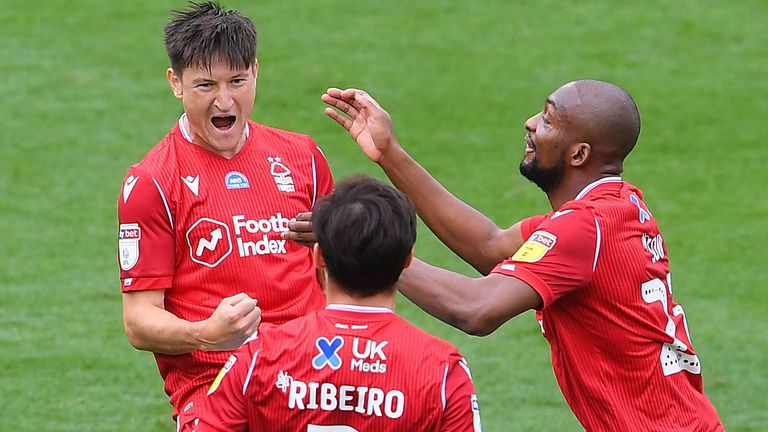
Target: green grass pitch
(83, 95)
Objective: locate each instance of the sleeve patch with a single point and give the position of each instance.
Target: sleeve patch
(537, 245)
(476, 423)
(227, 367)
(128, 243)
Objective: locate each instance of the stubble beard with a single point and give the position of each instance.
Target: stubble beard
(547, 179)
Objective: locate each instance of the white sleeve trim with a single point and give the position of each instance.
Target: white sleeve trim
(597, 244)
(250, 372)
(314, 180)
(442, 392)
(165, 202)
(465, 366)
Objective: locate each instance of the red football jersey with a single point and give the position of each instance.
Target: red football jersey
(620, 345)
(343, 369)
(204, 227)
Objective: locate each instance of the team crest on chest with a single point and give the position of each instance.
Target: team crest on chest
(281, 174)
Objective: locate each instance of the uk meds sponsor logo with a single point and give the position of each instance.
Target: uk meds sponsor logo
(369, 356)
(328, 355)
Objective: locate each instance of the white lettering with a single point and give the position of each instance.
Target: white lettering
(375, 399)
(328, 397)
(345, 396)
(312, 395)
(261, 247)
(363, 400)
(360, 408)
(296, 395)
(363, 366)
(275, 223)
(394, 404)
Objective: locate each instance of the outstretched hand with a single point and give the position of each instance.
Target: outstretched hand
(365, 120)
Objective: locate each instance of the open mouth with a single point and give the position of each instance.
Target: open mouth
(223, 122)
(529, 145)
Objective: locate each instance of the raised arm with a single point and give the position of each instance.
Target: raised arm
(477, 306)
(150, 327)
(470, 234)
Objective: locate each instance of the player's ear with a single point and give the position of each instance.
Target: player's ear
(408, 260)
(255, 68)
(318, 254)
(174, 81)
(579, 153)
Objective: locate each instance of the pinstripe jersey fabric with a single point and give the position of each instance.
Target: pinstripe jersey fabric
(209, 227)
(619, 343)
(347, 368)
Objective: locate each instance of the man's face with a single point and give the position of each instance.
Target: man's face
(217, 103)
(546, 144)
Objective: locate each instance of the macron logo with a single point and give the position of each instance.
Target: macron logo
(210, 245)
(130, 182)
(192, 183)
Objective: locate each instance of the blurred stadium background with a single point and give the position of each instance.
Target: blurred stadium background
(84, 96)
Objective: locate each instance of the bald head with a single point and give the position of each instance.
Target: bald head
(601, 114)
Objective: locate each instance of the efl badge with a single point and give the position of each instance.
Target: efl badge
(537, 245)
(128, 245)
(281, 174)
(227, 366)
(236, 180)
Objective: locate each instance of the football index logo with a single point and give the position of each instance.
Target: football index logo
(328, 353)
(236, 180)
(209, 242)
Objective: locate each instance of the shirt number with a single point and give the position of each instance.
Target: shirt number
(673, 355)
(334, 428)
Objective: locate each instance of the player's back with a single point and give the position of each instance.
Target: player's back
(621, 343)
(365, 371)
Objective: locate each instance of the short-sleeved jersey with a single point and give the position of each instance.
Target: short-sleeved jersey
(345, 368)
(204, 227)
(620, 345)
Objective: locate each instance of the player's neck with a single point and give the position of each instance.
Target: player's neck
(335, 295)
(571, 186)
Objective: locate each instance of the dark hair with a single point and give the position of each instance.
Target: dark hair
(206, 32)
(366, 231)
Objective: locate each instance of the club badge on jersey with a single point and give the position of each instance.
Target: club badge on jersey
(281, 174)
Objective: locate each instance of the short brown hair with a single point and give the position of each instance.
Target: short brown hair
(204, 32)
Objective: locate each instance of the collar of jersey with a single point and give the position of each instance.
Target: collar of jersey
(358, 308)
(596, 183)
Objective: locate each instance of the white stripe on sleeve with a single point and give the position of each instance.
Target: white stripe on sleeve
(165, 202)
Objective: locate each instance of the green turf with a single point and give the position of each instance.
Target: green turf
(84, 96)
